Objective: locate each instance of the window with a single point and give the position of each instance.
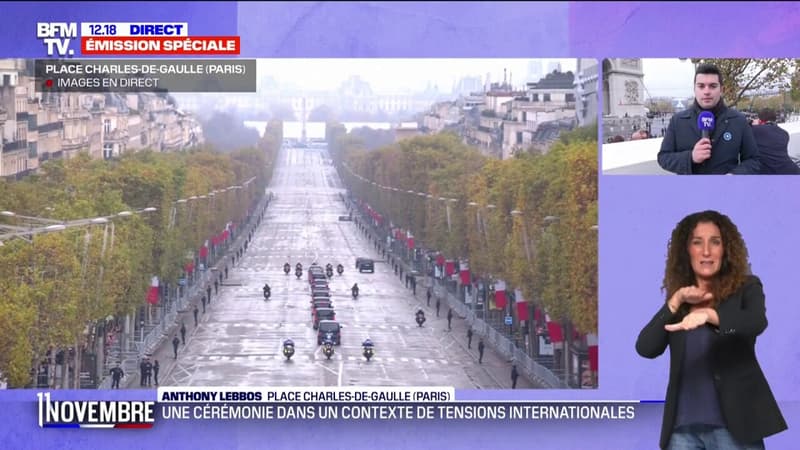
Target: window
(546, 98)
(535, 98)
(108, 151)
(570, 97)
(519, 137)
(106, 126)
(32, 149)
(6, 80)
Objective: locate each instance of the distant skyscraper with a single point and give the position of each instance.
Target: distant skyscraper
(534, 71)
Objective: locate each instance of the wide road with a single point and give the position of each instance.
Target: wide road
(238, 341)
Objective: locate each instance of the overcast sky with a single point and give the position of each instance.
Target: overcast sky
(668, 77)
(389, 75)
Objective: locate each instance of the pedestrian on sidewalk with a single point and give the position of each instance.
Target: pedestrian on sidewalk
(175, 342)
(183, 333)
(195, 315)
(481, 346)
(203, 301)
(116, 375)
(428, 295)
(469, 337)
(514, 376)
(208, 292)
(216, 287)
(142, 372)
(156, 367)
(438, 305)
(148, 371)
(449, 320)
(226, 272)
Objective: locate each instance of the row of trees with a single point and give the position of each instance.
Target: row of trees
(52, 287)
(548, 248)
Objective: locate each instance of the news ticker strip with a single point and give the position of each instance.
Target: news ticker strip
(317, 403)
(144, 75)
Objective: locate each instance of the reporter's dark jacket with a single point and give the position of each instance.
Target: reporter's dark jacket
(746, 401)
(773, 153)
(737, 154)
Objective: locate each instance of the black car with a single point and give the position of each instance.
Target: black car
(323, 314)
(331, 327)
(365, 264)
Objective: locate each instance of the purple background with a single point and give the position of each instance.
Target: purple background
(636, 216)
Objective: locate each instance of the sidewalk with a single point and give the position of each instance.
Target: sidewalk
(163, 350)
(494, 365)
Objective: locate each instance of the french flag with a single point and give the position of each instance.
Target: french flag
(554, 330)
(464, 272)
(500, 294)
(522, 305)
(152, 293)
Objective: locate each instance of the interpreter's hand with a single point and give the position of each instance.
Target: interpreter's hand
(688, 294)
(701, 150)
(694, 319)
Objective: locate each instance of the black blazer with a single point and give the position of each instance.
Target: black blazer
(773, 154)
(746, 401)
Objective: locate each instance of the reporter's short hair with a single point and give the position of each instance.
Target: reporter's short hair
(708, 69)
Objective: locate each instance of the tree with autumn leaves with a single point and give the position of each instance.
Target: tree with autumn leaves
(555, 195)
(54, 286)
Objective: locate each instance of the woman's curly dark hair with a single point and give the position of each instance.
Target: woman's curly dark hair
(734, 269)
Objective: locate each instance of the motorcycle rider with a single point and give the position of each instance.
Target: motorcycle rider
(298, 266)
(287, 267)
(340, 268)
(327, 346)
(267, 291)
(354, 289)
(368, 348)
(420, 316)
(288, 348)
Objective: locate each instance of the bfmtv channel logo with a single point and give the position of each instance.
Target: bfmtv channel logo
(56, 36)
(708, 122)
(94, 414)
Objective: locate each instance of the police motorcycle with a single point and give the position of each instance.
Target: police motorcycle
(340, 269)
(267, 292)
(298, 270)
(288, 349)
(327, 346)
(329, 270)
(420, 317)
(287, 268)
(368, 349)
(354, 289)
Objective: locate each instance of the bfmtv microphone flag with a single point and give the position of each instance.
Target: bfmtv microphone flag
(705, 122)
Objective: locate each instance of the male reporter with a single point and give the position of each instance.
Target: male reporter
(697, 145)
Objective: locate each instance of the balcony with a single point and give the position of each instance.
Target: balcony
(14, 146)
(75, 143)
(116, 135)
(52, 126)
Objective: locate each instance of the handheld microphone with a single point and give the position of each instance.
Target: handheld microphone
(705, 122)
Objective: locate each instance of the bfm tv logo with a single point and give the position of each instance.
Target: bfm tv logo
(94, 414)
(708, 122)
(56, 36)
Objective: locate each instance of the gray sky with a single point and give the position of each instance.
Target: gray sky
(392, 75)
(668, 77)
